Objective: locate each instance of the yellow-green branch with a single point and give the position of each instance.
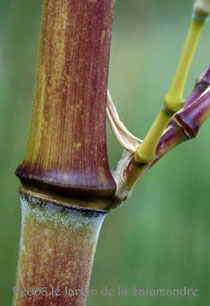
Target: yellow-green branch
(173, 101)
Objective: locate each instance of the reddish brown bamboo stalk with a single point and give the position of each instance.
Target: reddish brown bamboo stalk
(66, 153)
(56, 253)
(67, 183)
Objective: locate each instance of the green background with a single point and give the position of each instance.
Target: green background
(160, 238)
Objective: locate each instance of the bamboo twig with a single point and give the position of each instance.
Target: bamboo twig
(173, 101)
(183, 126)
(200, 86)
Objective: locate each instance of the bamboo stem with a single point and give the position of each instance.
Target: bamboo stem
(67, 183)
(66, 153)
(57, 249)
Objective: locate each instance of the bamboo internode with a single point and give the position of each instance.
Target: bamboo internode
(66, 151)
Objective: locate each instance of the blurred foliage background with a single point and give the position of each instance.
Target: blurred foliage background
(160, 237)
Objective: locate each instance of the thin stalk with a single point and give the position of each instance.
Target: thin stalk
(175, 95)
(173, 101)
(184, 125)
(201, 85)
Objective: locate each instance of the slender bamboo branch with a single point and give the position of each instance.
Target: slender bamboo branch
(200, 86)
(183, 126)
(173, 101)
(192, 117)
